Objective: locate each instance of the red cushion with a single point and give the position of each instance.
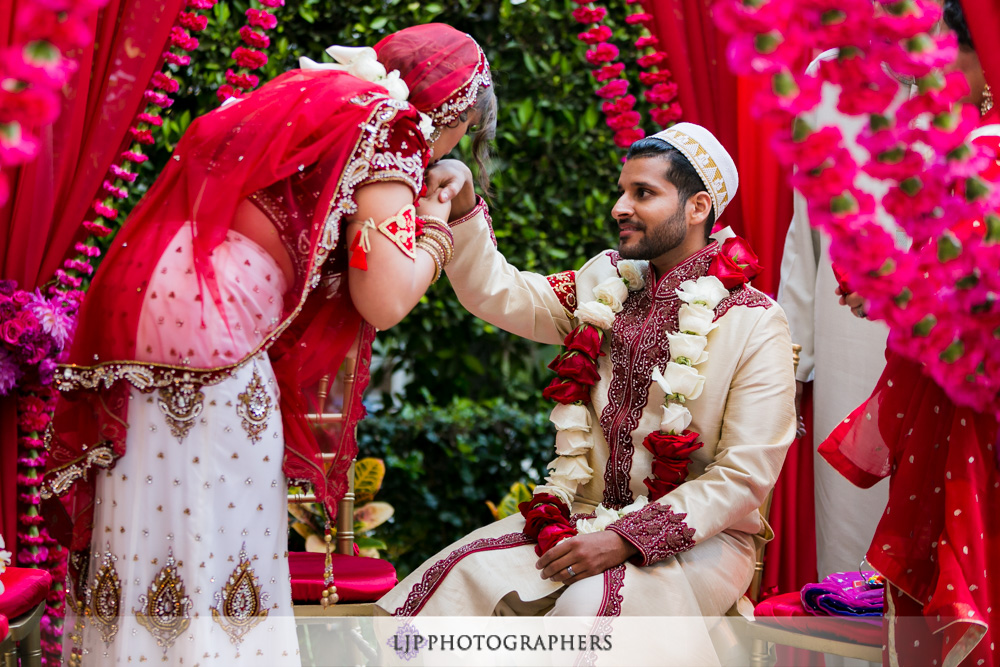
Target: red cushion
(358, 579)
(786, 611)
(4, 627)
(24, 588)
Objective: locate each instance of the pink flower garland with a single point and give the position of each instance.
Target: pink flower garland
(935, 295)
(620, 107)
(251, 56)
(74, 270)
(35, 70)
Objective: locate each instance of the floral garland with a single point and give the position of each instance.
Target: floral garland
(547, 513)
(619, 107)
(36, 68)
(932, 290)
(251, 56)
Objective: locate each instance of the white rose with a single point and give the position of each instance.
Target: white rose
(632, 273)
(603, 518)
(675, 418)
(695, 319)
(345, 55)
(367, 69)
(595, 313)
(639, 503)
(397, 87)
(563, 494)
(707, 290)
(611, 292)
(680, 382)
(688, 349)
(426, 126)
(571, 468)
(570, 417)
(573, 443)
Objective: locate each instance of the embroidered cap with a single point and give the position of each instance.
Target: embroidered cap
(708, 157)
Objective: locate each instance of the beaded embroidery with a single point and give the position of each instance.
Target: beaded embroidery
(181, 404)
(240, 604)
(254, 407)
(105, 598)
(166, 607)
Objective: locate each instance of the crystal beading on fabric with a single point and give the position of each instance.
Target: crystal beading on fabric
(240, 604)
(60, 480)
(449, 112)
(656, 531)
(166, 607)
(106, 597)
(254, 407)
(181, 404)
(564, 285)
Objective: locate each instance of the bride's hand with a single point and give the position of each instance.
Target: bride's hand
(432, 206)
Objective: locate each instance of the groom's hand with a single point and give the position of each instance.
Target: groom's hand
(588, 555)
(453, 182)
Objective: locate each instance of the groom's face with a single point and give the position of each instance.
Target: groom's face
(651, 218)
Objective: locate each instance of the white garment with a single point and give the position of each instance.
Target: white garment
(189, 560)
(842, 355)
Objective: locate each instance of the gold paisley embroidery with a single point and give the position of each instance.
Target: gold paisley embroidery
(254, 407)
(181, 404)
(106, 597)
(166, 608)
(240, 603)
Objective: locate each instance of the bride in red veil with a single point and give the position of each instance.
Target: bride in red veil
(280, 235)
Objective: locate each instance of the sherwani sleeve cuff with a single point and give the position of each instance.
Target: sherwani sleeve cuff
(656, 531)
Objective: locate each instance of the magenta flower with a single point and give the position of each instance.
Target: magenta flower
(249, 58)
(639, 18)
(667, 115)
(251, 37)
(623, 121)
(133, 156)
(272, 3)
(621, 105)
(625, 138)
(241, 80)
(165, 82)
(609, 72)
(261, 19)
(10, 372)
(588, 15)
(648, 40)
(652, 60)
(201, 4)
(615, 88)
(123, 174)
(603, 53)
(596, 35)
(662, 93)
(177, 58)
(193, 21)
(653, 78)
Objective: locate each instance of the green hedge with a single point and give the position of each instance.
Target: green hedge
(472, 421)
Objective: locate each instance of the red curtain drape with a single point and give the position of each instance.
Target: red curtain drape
(712, 96)
(983, 17)
(51, 195)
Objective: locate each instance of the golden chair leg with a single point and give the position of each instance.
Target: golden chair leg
(30, 648)
(10, 657)
(760, 654)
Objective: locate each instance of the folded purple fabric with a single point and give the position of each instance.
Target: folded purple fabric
(844, 594)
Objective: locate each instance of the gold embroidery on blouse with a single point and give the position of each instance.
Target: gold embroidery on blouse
(240, 603)
(105, 598)
(181, 404)
(254, 407)
(166, 608)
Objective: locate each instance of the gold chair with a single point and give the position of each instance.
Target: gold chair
(344, 543)
(24, 641)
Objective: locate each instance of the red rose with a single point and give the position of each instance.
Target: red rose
(575, 366)
(543, 499)
(663, 445)
(671, 470)
(725, 269)
(658, 488)
(566, 391)
(587, 339)
(11, 331)
(541, 516)
(553, 535)
(743, 256)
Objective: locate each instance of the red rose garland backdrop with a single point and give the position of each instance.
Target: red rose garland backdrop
(619, 106)
(935, 295)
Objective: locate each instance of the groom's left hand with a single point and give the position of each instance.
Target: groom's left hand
(588, 554)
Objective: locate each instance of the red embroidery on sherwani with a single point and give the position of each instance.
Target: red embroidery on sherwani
(421, 592)
(564, 285)
(614, 257)
(656, 531)
(480, 206)
(638, 340)
(743, 296)
(614, 579)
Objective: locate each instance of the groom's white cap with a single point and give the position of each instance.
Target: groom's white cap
(712, 162)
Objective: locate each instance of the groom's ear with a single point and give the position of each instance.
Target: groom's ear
(698, 208)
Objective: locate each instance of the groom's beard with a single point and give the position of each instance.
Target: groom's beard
(653, 240)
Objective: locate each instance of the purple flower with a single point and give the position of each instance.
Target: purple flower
(7, 287)
(10, 372)
(46, 370)
(53, 318)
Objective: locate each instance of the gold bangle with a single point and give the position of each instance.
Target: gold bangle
(443, 240)
(436, 256)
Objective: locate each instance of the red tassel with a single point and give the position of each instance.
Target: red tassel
(359, 259)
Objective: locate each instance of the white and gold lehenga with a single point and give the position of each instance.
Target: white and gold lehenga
(202, 465)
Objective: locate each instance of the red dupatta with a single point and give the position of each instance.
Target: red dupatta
(325, 121)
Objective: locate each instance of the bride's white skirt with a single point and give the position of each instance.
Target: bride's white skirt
(189, 561)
